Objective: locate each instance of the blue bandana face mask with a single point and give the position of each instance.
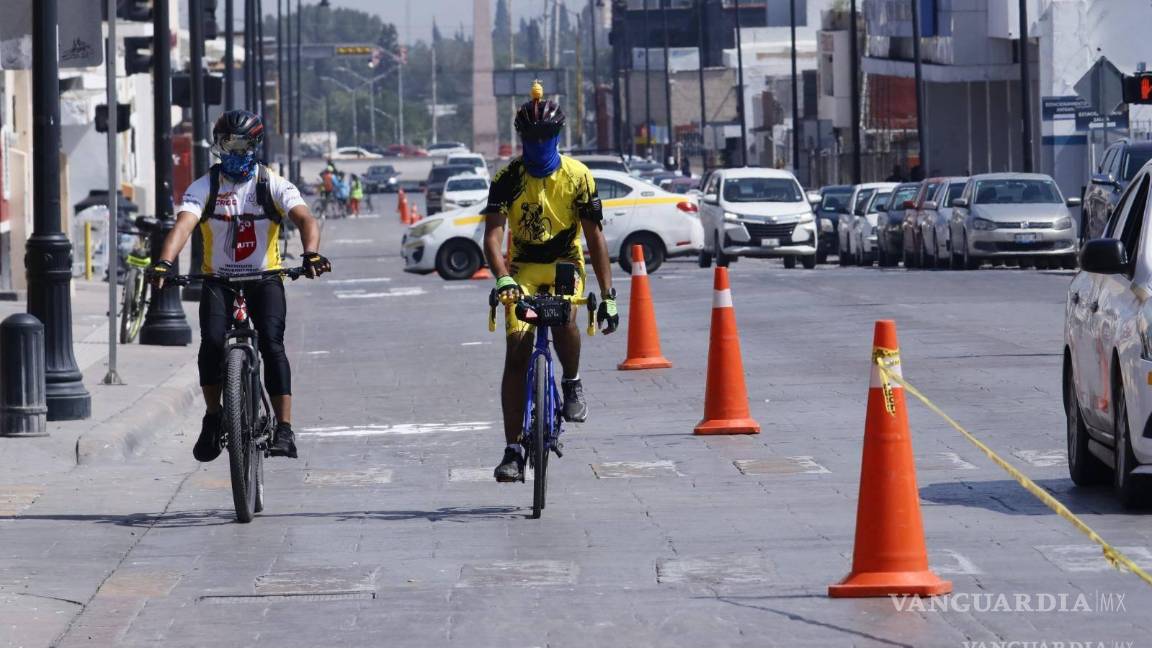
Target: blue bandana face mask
(238, 166)
(542, 157)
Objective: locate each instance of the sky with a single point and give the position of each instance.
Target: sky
(448, 14)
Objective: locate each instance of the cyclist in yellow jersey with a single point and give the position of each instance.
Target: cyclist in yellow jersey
(547, 201)
(239, 207)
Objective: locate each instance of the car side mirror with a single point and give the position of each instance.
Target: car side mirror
(930, 204)
(1106, 179)
(712, 199)
(814, 198)
(908, 204)
(960, 202)
(1104, 256)
(1073, 202)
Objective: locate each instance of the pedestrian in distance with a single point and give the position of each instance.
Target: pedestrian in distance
(240, 207)
(355, 195)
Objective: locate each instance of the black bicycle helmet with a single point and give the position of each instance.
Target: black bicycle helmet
(238, 131)
(539, 118)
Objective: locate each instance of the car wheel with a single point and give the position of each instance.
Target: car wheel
(721, 258)
(1130, 489)
(1027, 262)
(789, 262)
(843, 255)
(1069, 261)
(1084, 468)
(809, 261)
(458, 259)
(653, 252)
(705, 260)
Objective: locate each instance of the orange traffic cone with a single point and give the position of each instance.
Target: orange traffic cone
(890, 557)
(413, 215)
(402, 204)
(725, 397)
(482, 273)
(643, 336)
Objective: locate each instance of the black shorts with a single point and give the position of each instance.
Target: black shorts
(267, 309)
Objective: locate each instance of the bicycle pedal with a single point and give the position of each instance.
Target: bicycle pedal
(558, 448)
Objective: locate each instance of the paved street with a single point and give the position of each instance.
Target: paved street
(389, 530)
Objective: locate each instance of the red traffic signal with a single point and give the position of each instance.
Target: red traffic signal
(1138, 88)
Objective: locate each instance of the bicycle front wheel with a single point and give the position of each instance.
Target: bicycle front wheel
(238, 420)
(540, 433)
(135, 304)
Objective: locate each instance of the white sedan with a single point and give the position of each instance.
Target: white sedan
(635, 212)
(354, 153)
(1108, 353)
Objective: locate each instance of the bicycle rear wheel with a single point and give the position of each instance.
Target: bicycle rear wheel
(238, 420)
(540, 427)
(135, 304)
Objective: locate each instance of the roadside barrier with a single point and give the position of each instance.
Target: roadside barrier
(725, 395)
(890, 556)
(891, 377)
(643, 335)
(402, 205)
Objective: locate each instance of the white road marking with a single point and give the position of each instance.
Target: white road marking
(1044, 458)
(1089, 557)
(729, 570)
(460, 286)
(520, 573)
(350, 241)
(348, 477)
(392, 292)
(947, 561)
(361, 280)
(802, 465)
(630, 469)
(943, 461)
(397, 429)
(479, 475)
(473, 343)
(318, 353)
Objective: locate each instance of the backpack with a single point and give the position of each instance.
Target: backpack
(263, 196)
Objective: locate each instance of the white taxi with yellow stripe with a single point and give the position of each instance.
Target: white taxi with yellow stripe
(635, 212)
(640, 213)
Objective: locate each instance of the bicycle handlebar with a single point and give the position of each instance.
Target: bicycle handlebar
(185, 279)
(528, 308)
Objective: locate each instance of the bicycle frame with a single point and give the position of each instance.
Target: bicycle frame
(241, 335)
(552, 399)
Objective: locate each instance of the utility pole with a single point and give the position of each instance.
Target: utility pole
(595, 72)
(1026, 88)
(579, 97)
(261, 68)
(703, 106)
(740, 94)
(435, 115)
(647, 86)
(249, 56)
(795, 94)
(164, 324)
(230, 55)
(280, 72)
(289, 90)
(298, 86)
(668, 152)
(921, 131)
(112, 377)
(854, 58)
(193, 290)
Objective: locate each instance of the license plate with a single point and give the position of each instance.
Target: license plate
(770, 243)
(1027, 238)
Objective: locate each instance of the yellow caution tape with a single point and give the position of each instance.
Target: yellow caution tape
(886, 359)
(1111, 554)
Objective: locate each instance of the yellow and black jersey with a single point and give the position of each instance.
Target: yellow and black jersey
(543, 213)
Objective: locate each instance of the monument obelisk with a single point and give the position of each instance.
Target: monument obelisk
(484, 130)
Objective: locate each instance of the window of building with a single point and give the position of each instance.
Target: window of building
(780, 13)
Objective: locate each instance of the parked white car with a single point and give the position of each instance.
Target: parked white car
(864, 228)
(935, 222)
(464, 190)
(1108, 352)
(445, 149)
(758, 212)
(856, 210)
(637, 212)
(475, 159)
(355, 153)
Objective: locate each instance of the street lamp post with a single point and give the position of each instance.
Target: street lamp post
(740, 94)
(298, 113)
(1025, 88)
(667, 85)
(48, 257)
(703, 105)
(371, 83)
(229, 55)
(855, 60)
(921, 133)
(795, 94)
(164, 324)
(391, 118)
(647, 86)
(349, 89)
(193, 290)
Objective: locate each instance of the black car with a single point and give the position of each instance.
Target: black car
(381, 178)
(1117, 168)
(434, 189)
(833, 199)
(890, 224)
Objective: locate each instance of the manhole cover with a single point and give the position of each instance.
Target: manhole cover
(520, 572)
(315, 580)
(781, 466)
(348, 477)
(727, 570)
(630, 469)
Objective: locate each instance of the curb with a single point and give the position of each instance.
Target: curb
(121, 437)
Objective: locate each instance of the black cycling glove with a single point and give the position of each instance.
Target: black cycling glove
(316, 264)
(606, 314)
(158, 272)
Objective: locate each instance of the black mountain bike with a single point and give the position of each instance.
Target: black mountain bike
(248, 422)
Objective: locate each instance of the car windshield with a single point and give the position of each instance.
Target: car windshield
(879, 201)
(1134, 161)
(381, 170)
(954, 191)
(466, 184)
(1015, 192)
(442, 173)
(470, 161)
(762, 190)
(607, 165)
(834, 200)
(862, 198)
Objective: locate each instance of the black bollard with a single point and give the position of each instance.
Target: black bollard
(23, 400)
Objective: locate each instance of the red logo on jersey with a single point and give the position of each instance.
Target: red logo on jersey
(245, 240)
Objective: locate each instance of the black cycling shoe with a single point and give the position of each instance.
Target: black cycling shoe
(285, 444)
(575, 409)
(208, 446)
(511, 469)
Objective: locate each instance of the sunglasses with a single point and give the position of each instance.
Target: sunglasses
(235, 144)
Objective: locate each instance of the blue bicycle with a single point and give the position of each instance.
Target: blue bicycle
(543, 421)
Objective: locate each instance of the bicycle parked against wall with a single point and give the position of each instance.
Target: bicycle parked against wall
(134, 301)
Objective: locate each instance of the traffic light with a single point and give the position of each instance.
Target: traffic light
(182, 89)
(1138, 88)
(211, 28)
(137, 54)
(123, 116)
